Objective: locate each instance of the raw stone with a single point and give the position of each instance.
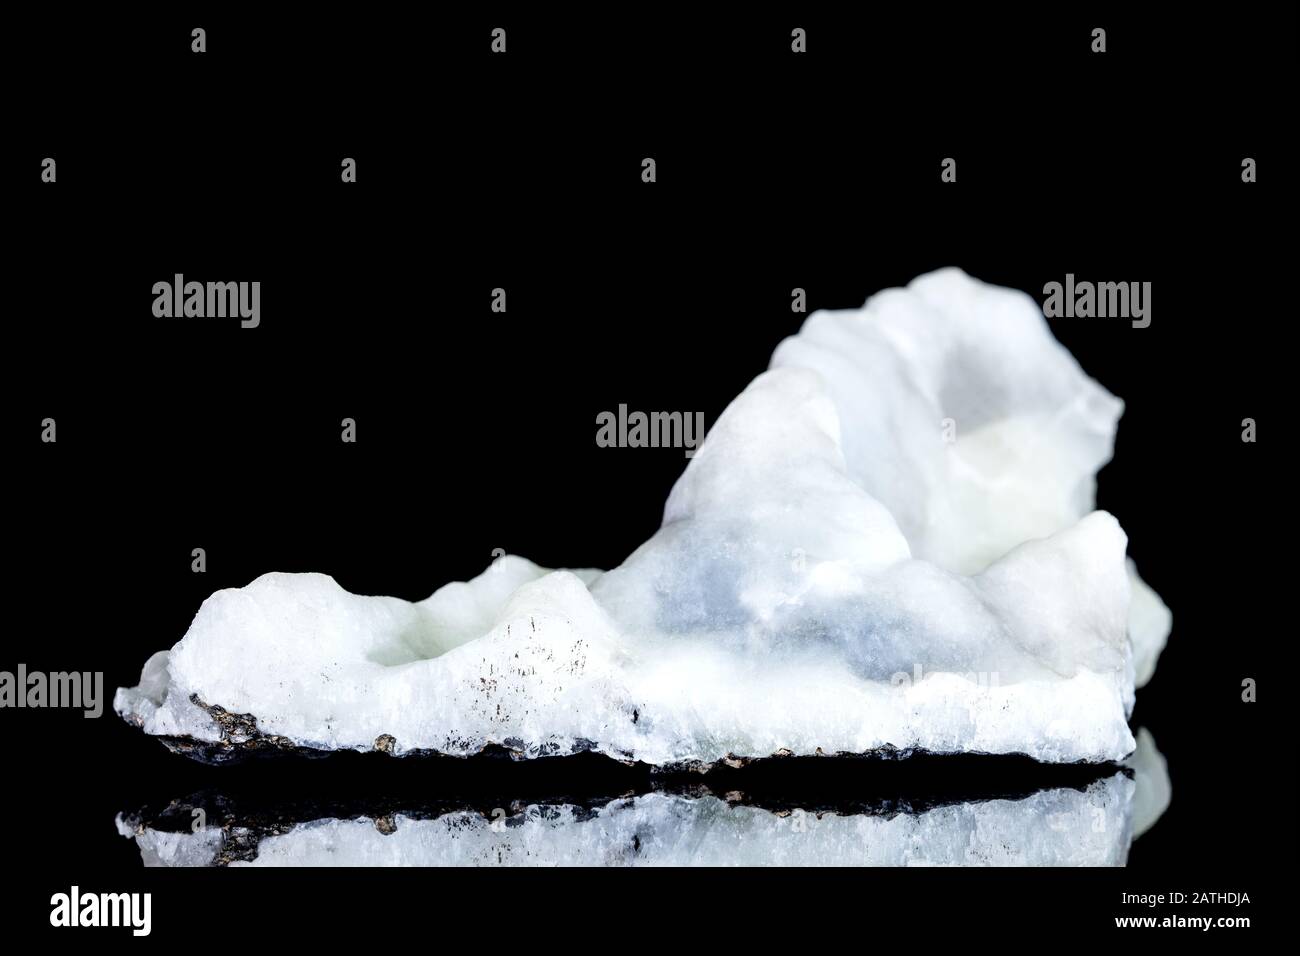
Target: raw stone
(907, 493)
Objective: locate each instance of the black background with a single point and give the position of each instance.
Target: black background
(475, 429)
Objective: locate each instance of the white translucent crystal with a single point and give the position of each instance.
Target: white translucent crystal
(887, 540)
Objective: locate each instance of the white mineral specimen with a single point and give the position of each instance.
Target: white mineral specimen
(887, 540)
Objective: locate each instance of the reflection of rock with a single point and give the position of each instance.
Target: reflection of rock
(1153, 791)
(1058, 827)
(160, 848)
(817, 811)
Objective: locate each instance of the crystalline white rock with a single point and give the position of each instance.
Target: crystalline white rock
(887, 540)
(1149, 623)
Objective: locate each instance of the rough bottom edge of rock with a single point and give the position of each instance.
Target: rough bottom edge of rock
(1077, 720)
